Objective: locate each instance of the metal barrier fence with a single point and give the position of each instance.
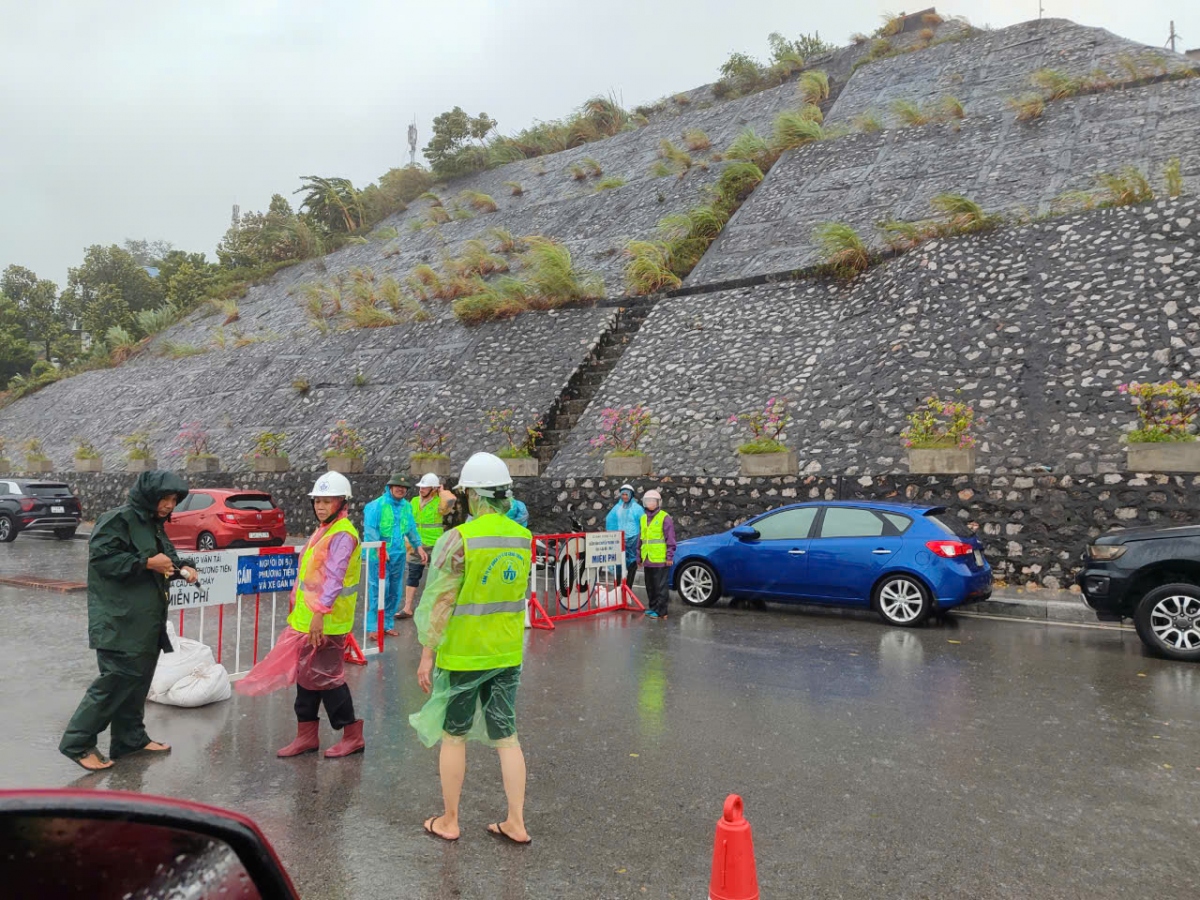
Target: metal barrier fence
(572, 576)
(257, 583)
(578, 574)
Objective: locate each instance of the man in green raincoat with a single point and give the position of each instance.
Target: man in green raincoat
(130, 561)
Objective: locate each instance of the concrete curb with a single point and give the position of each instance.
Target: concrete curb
(1037, 606)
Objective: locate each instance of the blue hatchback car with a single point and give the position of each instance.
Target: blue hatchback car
(901, 560)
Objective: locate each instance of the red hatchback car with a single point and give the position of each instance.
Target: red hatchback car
(213, 519)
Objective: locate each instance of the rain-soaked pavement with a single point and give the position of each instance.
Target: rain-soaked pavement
(969, 759)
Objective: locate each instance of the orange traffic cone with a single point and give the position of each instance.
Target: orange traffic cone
(734, 876)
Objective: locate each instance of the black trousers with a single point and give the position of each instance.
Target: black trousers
(339, 705)
(658, 587)
(116, 699)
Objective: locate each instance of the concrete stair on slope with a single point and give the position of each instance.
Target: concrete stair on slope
(566, 411)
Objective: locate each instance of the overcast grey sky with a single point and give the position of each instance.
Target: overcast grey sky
(150, 118)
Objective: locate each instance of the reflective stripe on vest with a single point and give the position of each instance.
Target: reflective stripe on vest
(428, 518)
(311, 576)
(654, 545)
(487, 630)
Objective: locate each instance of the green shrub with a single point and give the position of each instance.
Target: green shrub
(673, 160)
(844, 252)
(610, 183)
(813, 87)
(1125, 188)
(1056, 84)
(515, 187)
(1027, 107)
(867, 121)
(1173, 176)
(749, 147)
(505, 242)
(964, 216)
(478, 201)
(794, 129)
(910, 114)
(696, 140)
(649, 268)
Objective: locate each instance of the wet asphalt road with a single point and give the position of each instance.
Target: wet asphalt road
(969, 759)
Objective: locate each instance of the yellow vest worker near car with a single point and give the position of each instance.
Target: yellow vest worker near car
(311, 651)
(657, 545)
(471, 622)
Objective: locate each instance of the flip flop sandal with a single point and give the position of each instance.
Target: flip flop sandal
(496, 830)
(403, 615)
(103, 762)
(428, 826)
(161, 748)
(391, 632)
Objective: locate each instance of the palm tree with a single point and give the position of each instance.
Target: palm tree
(334, 202)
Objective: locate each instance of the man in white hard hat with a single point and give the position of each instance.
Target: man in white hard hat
(311, 650)
(429, 507)
(657, 544)
(471, 622)
(626, 516)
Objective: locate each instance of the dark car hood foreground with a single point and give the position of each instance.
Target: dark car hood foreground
(1149, 533)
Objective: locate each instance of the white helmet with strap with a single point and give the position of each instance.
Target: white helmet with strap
(429, 480)
(332, 484)
(487, 475)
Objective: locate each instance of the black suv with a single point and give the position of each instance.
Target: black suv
(27, 504)
(1150, 575)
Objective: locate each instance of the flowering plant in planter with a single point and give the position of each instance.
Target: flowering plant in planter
(84, 449)
(344, 441)
(940, 425)
(269, 445)
(766, 426)
(429, 441)
(621, 430)
(502, 422)
(1166, 411)
(193, 442)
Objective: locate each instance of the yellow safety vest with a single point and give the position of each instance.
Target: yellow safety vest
(487, 630)
(340, 619)
(654, 545)
(428, 518)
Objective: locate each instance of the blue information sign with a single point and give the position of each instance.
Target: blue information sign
(266, 574)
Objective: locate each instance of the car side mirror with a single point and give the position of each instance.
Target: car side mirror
(113, 844)
(746, 533)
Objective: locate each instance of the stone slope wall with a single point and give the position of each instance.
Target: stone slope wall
(987, 69)
(432, 372)
(1004, 165)
(1036, 326)
(1033, 528)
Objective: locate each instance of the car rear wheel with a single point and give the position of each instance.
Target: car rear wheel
(1168, 621)
(697, 584)
(8, 529)
(903, 601)
(64, 534)
(206, 541)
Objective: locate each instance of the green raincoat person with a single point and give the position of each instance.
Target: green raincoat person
(130, 562)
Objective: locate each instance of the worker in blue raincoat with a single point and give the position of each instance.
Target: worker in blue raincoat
(626, 516)
(389, 518)
(518, 512)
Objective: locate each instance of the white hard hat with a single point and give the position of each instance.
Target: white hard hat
(627, 487)
(332, 484)
(429, 480)
(484, 471)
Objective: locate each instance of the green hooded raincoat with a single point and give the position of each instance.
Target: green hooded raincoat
(127, 603)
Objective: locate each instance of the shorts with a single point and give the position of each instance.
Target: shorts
(497, 695)
(415, 570)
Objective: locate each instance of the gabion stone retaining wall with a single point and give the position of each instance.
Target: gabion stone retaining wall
(1036, 326)
(436, 372)
(1034, 528)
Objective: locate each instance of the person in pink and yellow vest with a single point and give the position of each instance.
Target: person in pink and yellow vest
(311, 650)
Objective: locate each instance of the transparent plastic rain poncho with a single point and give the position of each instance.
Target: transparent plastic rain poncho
(444, 580)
